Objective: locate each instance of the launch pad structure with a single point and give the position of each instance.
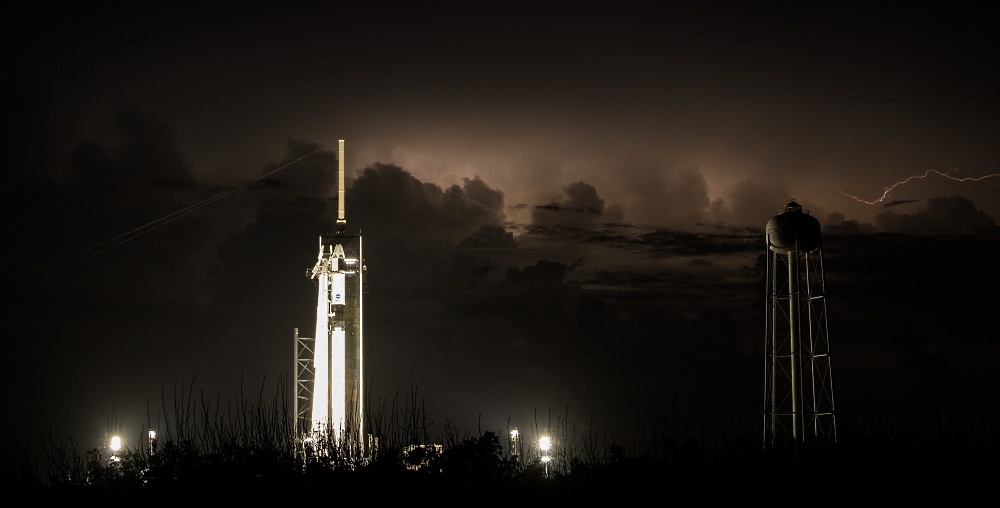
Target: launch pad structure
(329, 368)
(798, 375)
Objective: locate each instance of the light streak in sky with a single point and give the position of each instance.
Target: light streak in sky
(947, 174)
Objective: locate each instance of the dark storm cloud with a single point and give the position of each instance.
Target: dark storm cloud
(490, 236)
(307, 169)
(661, 196)
(898, 202)
(749, 202)
(104, 213)
(837, 223)
(411, 227)
(99, 267)
(407, 224)
(388, 201)
(412, 231)
(582, 205)
(557, 337)
(542, 272)
(666, 242)
(940, 214)
(265, 265)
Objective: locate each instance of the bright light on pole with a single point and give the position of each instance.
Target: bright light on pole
(115, 445)
(515, 444)
(545, 444)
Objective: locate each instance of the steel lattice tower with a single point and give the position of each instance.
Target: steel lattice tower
(798, 375)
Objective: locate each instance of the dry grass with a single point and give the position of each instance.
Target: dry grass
(246, 447)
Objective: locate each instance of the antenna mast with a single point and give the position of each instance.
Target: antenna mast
(341, 220)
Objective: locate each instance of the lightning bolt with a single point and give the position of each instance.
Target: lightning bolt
(946, 174)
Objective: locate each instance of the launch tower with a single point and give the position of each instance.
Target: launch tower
(798, 377)
(329, 368)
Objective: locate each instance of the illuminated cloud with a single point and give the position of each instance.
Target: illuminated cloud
(581, 205)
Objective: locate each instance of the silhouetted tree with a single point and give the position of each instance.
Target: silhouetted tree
(477, 461)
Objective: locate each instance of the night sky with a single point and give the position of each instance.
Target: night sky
(563, 209)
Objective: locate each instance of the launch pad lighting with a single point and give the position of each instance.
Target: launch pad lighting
(544, 443)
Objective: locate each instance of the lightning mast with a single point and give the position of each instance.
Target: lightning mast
(329, 368)
(798, 376)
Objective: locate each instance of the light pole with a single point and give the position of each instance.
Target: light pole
(515, 445)
(152, 441)
(115, 445)
(545, 444)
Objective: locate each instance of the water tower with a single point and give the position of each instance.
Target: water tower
(798, 376)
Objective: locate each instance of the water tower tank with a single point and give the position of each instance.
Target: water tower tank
(793, 230)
